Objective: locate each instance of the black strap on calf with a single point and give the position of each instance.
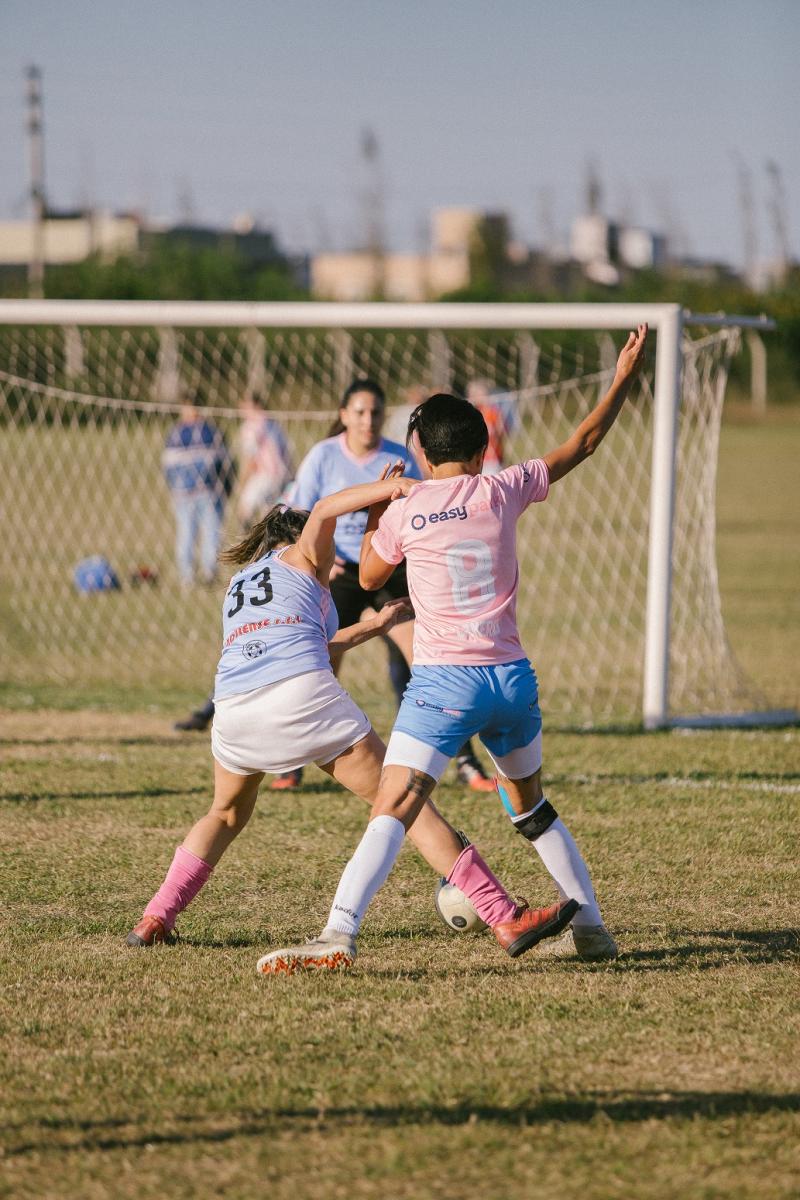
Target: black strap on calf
(536, 823)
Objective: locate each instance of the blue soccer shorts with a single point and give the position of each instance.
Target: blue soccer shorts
(444, 706)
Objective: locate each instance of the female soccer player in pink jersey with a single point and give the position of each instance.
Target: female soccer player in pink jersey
(457, 532)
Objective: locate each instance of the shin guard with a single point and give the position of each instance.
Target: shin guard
(533, 823)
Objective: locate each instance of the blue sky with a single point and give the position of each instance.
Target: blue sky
(258, 106)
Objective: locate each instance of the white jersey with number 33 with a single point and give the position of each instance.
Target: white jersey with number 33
(276, 623)
(458, 537)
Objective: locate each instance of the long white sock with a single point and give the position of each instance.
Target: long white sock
(366, 872)
(557, 849)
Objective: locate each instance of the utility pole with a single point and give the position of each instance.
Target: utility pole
(187, 213)
(594, 189)
(36, 146)
(777, 212)
(546, 221)
(374, 222)
(747, 211)
(755, 343)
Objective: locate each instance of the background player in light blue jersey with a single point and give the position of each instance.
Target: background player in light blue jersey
(280, 706)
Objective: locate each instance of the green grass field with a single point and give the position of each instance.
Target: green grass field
(438, 1067)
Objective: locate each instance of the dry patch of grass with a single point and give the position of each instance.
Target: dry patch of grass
(438, 1065)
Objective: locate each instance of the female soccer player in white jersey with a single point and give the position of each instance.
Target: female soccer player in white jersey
(457, 533)
(279, 706)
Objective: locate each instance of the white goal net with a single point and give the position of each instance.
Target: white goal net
(86, 408)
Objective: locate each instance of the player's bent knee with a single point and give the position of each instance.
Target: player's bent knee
(537, 822)
(231, 817)
(403, 797)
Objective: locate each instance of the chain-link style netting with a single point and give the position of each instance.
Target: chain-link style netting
(86, 415)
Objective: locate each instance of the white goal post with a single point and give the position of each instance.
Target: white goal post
(55, 365)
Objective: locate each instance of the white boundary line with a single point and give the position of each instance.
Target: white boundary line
(677, 781)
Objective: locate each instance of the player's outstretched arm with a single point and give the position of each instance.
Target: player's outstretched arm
(316, 540)
(392, 613)
(591, 431)
(373, 571)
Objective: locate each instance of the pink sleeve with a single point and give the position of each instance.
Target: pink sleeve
(527, 482)
(386, 538)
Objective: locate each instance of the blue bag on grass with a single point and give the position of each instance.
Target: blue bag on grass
(95, 574)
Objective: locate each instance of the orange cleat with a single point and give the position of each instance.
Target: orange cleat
(531, 925)
(470, 772)
(149, 932)
(285, 783)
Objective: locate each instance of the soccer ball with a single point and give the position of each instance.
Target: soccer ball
(456, 909)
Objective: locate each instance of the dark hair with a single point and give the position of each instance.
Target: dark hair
(281, 524)
(449, 429)
(358, 385)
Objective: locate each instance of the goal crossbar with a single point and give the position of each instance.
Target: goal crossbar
(313, 314)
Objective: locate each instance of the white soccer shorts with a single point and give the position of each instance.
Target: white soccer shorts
(286, 725)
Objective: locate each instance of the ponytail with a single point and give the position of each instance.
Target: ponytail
(281, 525)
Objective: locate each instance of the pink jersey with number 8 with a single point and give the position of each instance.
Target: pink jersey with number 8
(458, 537)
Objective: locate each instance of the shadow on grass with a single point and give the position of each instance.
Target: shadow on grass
(171, 740)
(617, 1107)
(308, 789)
(200, 941)
(754, 946)
(135, 794)
(235, 941)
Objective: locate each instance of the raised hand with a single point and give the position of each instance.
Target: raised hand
(391, 470)
(593, 428)
(631, 355)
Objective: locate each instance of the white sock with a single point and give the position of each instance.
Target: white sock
(557, 849)
(366, 872)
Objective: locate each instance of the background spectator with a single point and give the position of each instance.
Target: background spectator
(265, 464)
(199, 473)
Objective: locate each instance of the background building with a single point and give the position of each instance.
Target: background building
(69, 237)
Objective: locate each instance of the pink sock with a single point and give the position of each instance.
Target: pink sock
(491, 900)
(183, 881)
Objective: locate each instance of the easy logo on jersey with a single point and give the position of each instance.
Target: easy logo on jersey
(460, 513)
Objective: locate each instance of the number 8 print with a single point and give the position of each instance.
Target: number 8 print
(470, 566)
